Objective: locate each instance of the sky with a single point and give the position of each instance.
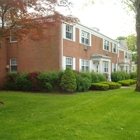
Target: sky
(111, 19)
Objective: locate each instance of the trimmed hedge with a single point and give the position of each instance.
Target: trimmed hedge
(99, 86)
(112, 85)
(127, 82)
(119, 75)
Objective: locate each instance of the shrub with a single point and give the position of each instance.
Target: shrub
(49, 81)
(124, 83)
(68, 81)
(119, 75)
(33, 77)
(83, 82)
(9, 86)
(112, 85)
(133, 75)
(99, 86)
(97, 77)
(23, 83)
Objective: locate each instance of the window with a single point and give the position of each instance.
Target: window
(69, 62)
(105, 66)
(85, 65)
(13, 38)
(126, 55)
(69, 32)
(114, 48)
(106, 45)
(85, 38)
(13, 65)
(114, 67)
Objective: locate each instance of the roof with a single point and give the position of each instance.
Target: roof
(96, 55)
(123, 44)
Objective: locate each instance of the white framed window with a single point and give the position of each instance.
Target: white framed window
(13, 65)
(84, 65)
(69, 32)
(85, 37)
(114, 67)
(106, 45)
(114, 49)
(106, 67)
(69, 62)
(13, 38)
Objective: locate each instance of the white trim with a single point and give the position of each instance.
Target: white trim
(64, 63)
(74, 64)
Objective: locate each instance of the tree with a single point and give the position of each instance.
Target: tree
(121, 38)
(29, 18)
(133, 5)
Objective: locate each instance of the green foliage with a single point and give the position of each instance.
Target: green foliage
(131, 42)
(119, 75)
(49, 81)
(83, 81)
(22, 82)
(97, 77)
(112, 85)
(99, 86)
(121, 38)
(68, 81)
(124, 83)
(133, 75)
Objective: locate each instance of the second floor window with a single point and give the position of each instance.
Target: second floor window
(69, 32)
(106, 45)
(114, 48)
(69, 62)
(85, 38)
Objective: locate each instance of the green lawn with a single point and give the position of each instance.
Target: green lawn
(106, 115)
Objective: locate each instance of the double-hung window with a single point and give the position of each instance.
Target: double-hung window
(69, 32)
(69, 62)
(105, 67)
(84, 65)
(13, 65)
(13, 37)
(114, 67)
(106, 45)
(114, 48)
(85, 38)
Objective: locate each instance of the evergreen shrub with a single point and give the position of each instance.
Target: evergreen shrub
(99, 86)
(68, 81)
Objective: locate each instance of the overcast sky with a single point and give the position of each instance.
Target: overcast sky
(112, 20)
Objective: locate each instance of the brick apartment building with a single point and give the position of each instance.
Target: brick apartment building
(75, 46)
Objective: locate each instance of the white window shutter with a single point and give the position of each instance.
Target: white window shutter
(79, 35)
(74, 64)
(64, 30)
(90, 37)
(80, 61)
(74, 33)
(64, 63)
(90, 65)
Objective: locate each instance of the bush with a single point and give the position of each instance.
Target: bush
(68, 81)
(124, 83)
(23, 83)
(99, 86)
(133, 75)
(112, 85)
(49, 81)
(119, 75)
(83, 81)
(97, 77)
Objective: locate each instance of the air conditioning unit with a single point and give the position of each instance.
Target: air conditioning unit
(86, 48)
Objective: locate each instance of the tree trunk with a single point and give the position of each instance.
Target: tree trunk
(137, 8)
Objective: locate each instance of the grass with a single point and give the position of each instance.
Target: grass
(107, 115)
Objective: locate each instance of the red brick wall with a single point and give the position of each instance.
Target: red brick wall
(3, 62)
(38, 56)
